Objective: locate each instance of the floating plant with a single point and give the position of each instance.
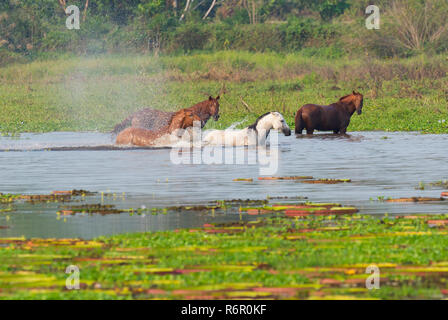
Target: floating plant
(442, 184)
(415, 199)
(286, 178)
(327, 181)
(55, 196)
(91, 208)
(275, 257)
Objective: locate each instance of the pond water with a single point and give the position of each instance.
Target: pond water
(380, 164)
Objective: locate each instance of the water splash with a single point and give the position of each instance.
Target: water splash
(237, 123)
(55, 140)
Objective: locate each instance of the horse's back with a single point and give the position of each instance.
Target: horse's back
(151, 119)
(229, 137)
(311, 112)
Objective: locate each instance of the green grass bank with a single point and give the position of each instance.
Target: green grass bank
(94, 93)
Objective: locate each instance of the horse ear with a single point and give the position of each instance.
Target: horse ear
(210, 98)
(354, 92)
(217, 98)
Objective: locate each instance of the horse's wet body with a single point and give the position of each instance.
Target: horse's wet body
(256, 133)
(329, 118)
(153, 119)
(334, 117)
(182, 119)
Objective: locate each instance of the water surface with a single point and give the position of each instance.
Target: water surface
(380, 164)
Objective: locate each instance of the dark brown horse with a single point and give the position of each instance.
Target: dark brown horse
(335, 117)
(182, 119)
(156, 120)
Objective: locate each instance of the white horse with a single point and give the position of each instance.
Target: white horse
(254, 134)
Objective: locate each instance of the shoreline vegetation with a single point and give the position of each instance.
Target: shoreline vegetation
(96, 92)
(260, 55)
(283, 254)
(279, 248)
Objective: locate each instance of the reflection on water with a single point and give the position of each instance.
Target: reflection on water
(380, 164)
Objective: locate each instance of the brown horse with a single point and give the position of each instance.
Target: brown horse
(335, 117)
(156, 120)
(182, 119)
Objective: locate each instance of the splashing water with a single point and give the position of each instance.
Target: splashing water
(237, 123)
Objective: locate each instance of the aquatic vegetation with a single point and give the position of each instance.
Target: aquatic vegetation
(55, 196)
(286, 178)
(196, 208)
(9, 209)
(415, 199)
(442, 184)
(274, 257)
(327, 181)
(75, 192)
(241, 201)
(286, 198)
(304, 179)
(301, 210)
(90, 208)
(7, 198)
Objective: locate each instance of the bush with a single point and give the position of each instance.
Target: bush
(189, 36)
(409, 28)
(299, 32)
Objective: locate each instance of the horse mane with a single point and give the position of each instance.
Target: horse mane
(199, 104)
(346, 96)
(202, 103)
(254, 125)
(354, 94)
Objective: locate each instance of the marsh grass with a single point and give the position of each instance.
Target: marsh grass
(94, 93)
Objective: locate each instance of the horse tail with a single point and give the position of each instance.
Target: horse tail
(123, 125)
(298, 122)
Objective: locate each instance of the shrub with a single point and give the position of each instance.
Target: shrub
(189, 36)
(410, 27)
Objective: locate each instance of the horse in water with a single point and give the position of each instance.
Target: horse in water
(182, 119)
(335, 117)
(153, 119)
(256, 133)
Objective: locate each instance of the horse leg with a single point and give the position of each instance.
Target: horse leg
(343, 130)
(335, 131)
(298, 122)
(309, 131)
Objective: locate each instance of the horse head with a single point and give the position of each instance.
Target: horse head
(271, 120)
(183, 119)
(354, 98)
(358, 101)
(279, 123)
(214, 107)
